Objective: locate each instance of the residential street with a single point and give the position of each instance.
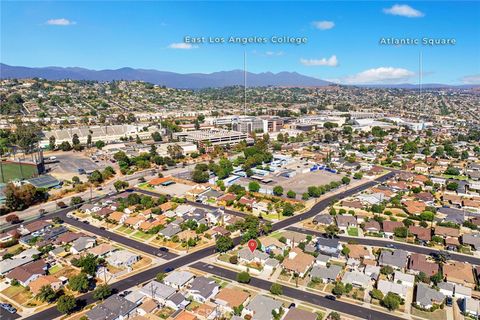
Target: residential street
(315, 299)
(378, 242)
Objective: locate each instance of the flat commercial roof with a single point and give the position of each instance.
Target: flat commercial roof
(45, 181)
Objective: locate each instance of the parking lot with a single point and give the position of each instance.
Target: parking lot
(298, 183)
(68, 163)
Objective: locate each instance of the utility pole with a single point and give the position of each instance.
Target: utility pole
(420, 77)
(245, 82)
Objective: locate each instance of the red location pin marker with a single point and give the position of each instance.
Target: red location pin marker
(252, 245)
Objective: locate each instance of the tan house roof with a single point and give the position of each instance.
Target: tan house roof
(357, 251)
(447, 232)
(232, 297)
(116, 216)
(101, 249)
(459, 272)
(38, 283)
(133, 220)
(149, 305)
(414, 207)
(298, 261)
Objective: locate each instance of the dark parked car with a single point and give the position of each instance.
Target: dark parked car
(449, 301)
(169, 269)
(331, 297)
(163, 249)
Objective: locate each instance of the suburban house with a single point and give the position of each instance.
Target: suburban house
(27, 273)
(359, 252)
(346, 221)
(326, 274)
(297, 314)
(101, 250)
(178, 279)
(114, 307)
(396, 259)
(459, 273)
(202, 289)
(329, 246)
(247, 256)
(357, 279)
(447, 288)
(323, 219)
(390, 226)
(170, 230)
(471, 307)
(157, 291)
(372, 226)
(228, 299)
(394, 287)
(177, 301)
(298, 262)
(261, 307)
(422, 234)
(294, 238)
(418, 263)
(122, 258)
(472, 239)
(404, 279)
(47, 280)
(82, 244)
(426, 297)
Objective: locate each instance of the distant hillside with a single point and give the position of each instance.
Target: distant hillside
(191, 80)
(169, 79)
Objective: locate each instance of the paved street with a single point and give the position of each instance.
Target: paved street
(119, 238)
(196, 256)
(301, 295)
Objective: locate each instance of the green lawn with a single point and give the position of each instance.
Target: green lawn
(277, 235)
(450, 176)
(145, 186)
(142, 235)
(54, 269)
(353, 232)
(125, 229)
(12, 171)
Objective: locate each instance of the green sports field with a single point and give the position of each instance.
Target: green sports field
(11, 171)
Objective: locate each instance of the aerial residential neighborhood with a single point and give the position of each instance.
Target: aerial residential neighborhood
(225, 160)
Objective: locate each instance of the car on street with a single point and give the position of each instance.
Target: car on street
(163, 249)
(8, 308)
(390, 245)
(169, 269)
(331, 297)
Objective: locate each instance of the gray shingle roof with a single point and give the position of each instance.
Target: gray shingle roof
(203, 286)
(112, 308)
(426, 296)
(262, 307)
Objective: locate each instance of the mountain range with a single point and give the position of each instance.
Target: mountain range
(181, 81)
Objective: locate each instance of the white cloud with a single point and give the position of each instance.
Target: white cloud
(381, 75)
(404, 11)
(60, 22)
(182, 45)
(472, 79)
(273, 53)
(330, 62)
(323, 25)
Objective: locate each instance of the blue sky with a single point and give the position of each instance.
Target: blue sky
(343, 37)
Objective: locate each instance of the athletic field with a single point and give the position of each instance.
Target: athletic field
(11, 171)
